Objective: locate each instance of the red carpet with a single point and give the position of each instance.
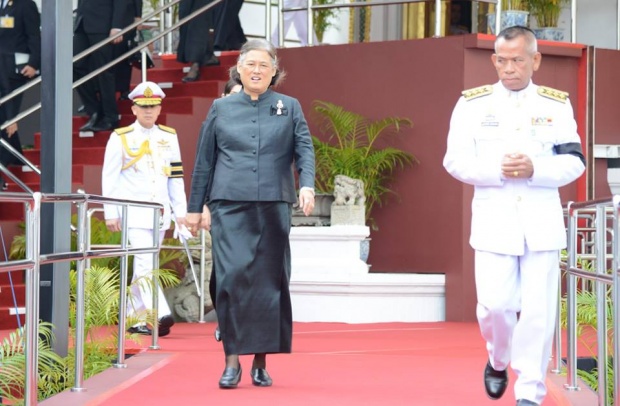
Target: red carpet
(331, 364)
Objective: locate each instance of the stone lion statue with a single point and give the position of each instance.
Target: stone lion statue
(348, 191)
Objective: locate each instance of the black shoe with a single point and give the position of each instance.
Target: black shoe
(124, 96)
(81, 109)
(495, 382)
(142, 329)
(213, 61)
(90, 123)
(5, 187)
(165, 323)
(104, 125)
(260, 377)
(230, 378)
(193, 74)
(525, 402)
(217, 334)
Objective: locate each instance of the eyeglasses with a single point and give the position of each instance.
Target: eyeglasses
(251, 65)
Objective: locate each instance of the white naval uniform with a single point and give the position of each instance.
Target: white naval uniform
(146, 179)
(517, 226)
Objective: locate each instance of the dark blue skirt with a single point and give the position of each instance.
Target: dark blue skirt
(252, 268)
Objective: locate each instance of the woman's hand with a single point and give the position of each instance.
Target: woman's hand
(192, 221)
(306, 200)
(205, 220)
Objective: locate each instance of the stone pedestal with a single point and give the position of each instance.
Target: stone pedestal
(348, 215)
(330, 283)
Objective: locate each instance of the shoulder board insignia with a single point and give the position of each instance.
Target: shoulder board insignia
(475, 92)
(167, 129)
(553, 94)
(123, 130)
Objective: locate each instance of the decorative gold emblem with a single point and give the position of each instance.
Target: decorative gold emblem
(553, 94)
(475, 92)
(148, 92)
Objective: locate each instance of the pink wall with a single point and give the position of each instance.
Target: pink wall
(425, 229)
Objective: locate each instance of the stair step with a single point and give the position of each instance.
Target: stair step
(176, 74)
(8, 320)
(28, 176)
(181, 105)
(6, 294)
(227, 58)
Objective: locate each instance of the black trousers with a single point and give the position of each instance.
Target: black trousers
(99, 93)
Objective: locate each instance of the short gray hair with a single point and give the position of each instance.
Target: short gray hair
(266, 46)
(516, 31)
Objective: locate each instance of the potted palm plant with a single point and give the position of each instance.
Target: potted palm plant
(514, 13)
(547, 14)
(323, 18)
(351, 149)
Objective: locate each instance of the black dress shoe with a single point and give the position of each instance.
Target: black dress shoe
(144, 330)
(495, 382)
(230, 378)
(525, 402)
(213, 61)
(260, 377)
(90, 123)
(104, 125)
(217, 334)
(193, 74)
(165, 323)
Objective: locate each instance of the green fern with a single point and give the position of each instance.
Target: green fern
(351, 150)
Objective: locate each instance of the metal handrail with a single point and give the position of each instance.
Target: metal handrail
(310, 8)
(34, 259)
(605, 210)
(141, 47)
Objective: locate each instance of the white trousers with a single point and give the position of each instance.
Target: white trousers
(527, 285)
(299, 19)
(141, 290)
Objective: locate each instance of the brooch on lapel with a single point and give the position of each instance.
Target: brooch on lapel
(279, 109)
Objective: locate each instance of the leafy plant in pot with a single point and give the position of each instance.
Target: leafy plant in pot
(547, 14)
(351, 149)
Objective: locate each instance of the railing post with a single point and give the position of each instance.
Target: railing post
(498, 17)
(616, 298)
(31, 328)
(155, 280)
(203, 241)
(281, 23)
(122, 299)
(80, 300)
(310, 24)
(268, 20)
(571, 306)
(600, 248)
(437, 18)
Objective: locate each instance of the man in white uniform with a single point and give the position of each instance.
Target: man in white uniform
(297, 18)
(143, 162)
(517, 143)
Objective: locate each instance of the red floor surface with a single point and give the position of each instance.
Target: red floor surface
(331, 364)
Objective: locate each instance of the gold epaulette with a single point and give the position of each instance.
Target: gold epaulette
(167, 129)
(123, 130)
(553, 94)
(475, 92)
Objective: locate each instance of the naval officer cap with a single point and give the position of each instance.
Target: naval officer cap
(147, 94)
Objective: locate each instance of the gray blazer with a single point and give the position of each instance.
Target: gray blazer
(246, 150)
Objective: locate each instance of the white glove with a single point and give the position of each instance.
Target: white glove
(181, 232)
